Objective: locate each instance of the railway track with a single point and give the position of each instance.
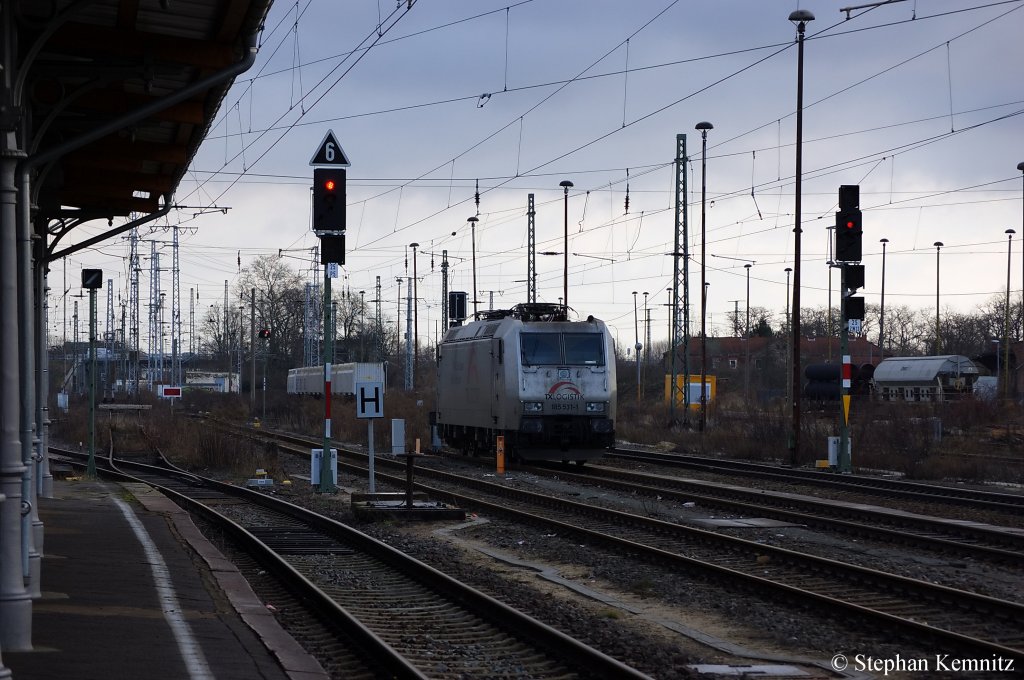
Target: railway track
(942, 536)
(394, 615)
(972, 540)
(947, 617)
(1006, 502)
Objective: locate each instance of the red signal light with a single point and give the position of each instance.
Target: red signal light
(850, 224)
(329, 185)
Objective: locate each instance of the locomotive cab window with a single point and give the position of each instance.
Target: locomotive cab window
(539, 349)
(584, 348)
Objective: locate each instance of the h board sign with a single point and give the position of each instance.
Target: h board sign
(369, 399)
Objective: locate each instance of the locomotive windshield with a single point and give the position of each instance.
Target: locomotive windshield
(583, 348)
(540, 349)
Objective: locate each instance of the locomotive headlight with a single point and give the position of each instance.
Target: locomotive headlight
(532, 407)
(595, 407)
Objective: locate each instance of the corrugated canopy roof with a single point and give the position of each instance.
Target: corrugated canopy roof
(84, 65)
(922, 369)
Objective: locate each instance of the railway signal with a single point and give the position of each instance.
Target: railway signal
(329, 201)
(849, 226)
(849, 234)
(329, 163)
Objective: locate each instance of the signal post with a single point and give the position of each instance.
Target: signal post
(92, 280)
(848, 253)
(329, 226)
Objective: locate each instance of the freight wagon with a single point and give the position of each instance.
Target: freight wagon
(310, 379)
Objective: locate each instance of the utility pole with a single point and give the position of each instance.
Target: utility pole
(647, 331)
(680, 279)
(156, 336)
(252, 344)
(227, 335)
(75, 387)
(133, 311)
(191, 322)
(416, 312)
(398, 321)
(379, 345)
(108, 342)
(175, 311)
(444, 292)
(531, 251)
(409, 384)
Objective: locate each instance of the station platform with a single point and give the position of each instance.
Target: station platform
(134, 590)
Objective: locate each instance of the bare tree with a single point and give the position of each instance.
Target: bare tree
(814, 322)
(279, 305)
(907, 331)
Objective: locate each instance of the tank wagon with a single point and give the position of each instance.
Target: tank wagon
(310, 379)
(529, 374)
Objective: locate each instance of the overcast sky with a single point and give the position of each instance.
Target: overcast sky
(919, 102)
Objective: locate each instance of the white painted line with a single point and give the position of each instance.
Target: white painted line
(191, 652)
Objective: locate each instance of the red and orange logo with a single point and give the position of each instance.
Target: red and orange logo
(564, 390)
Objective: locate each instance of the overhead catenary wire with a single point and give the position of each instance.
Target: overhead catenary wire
(720, 198)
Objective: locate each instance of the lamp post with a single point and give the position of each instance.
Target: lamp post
(789, 339)
(703, 366)
(472, 230)
(995, 341)
(703, 126)
(636, 347)
(566, 185)
(800, 17)
(881, 315)
(1006, 321)
(938, 246)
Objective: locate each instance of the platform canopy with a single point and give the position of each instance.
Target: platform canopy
(83, 69)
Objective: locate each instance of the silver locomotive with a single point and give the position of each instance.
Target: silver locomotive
(529, 374)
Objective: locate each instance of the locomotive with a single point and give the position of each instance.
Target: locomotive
(545, 383)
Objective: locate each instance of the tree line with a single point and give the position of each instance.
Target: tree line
(281, 308)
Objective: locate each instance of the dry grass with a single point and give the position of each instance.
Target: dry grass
(896, 437)
(954, 441)
(186, 441)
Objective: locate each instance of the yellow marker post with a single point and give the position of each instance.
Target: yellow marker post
(500, 454)
(846, 408)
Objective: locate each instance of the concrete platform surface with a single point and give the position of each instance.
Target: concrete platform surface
(132, 589)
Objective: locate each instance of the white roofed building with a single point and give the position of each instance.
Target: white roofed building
(936, 378)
